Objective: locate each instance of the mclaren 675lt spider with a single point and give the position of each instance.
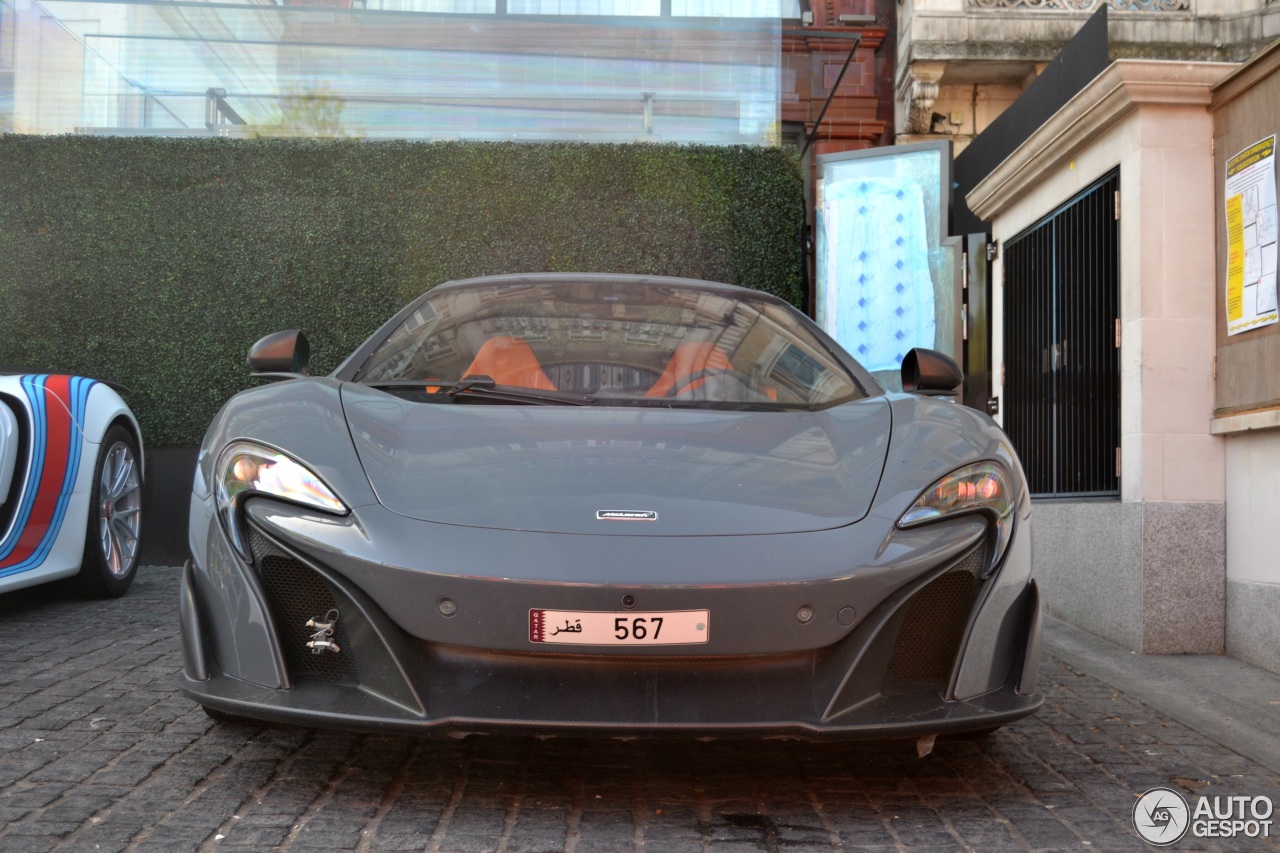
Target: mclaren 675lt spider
(608, 505)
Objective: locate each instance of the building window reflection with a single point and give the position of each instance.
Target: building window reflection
(628, 8)
(439, 7)
(705, 71)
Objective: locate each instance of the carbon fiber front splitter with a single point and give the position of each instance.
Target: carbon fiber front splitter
(351, 709)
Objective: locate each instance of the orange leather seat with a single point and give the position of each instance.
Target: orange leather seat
(689, 358)
(509, 361)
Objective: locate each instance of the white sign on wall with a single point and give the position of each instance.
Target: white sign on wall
(1251, 238)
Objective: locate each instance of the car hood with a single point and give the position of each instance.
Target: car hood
(623, 471)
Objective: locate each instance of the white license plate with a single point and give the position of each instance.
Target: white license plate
(622, 628)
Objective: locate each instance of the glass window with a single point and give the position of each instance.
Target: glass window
(622, 342)
(729, 8)
(584, 7)
(7, 53)
(439, 7)
(581, 70)
(6, 35)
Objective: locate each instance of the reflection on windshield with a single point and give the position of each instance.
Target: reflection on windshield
(620, 342)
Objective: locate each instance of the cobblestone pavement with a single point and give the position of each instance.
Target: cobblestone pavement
(99, 752)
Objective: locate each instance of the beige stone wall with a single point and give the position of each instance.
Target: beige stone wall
(1173, 304)
(970, 109)
(1167, 593)
(961, 48)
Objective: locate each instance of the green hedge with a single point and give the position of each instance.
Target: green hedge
(157, 262)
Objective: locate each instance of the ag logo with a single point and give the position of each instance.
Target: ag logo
(1161, 816)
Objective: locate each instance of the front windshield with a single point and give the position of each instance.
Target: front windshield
(610, 342)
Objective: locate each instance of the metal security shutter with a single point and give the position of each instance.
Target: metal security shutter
(1062, 365)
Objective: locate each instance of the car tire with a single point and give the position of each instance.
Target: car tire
(111, 545)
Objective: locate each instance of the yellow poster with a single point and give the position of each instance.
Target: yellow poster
(1251, 238)
(1235, 258)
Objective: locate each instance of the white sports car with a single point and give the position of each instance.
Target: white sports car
(71, 472)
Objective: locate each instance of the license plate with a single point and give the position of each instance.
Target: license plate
(624, 628)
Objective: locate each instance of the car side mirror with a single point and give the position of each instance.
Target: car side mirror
(280, 355)
(926, 371)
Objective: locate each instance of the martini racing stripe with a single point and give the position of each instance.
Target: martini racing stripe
(56, 405)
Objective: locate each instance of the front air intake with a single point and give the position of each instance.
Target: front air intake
(295, 594)
(933, 627)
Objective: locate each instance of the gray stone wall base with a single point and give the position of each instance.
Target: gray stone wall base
(1147, 576)
(1184, 573)
(1087, 558)
(1253, 614)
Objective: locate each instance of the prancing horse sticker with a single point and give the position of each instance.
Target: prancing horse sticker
(626, 515)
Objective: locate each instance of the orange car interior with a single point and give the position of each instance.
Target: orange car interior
(689, 358)
(509, 361)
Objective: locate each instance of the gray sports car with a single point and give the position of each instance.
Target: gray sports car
(610, 505)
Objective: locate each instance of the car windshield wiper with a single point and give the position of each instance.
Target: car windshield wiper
(714, 405)
(482, 387)
(387, 384)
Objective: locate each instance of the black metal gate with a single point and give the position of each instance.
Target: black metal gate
(1061, 346)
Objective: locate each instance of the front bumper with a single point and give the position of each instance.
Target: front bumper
(932, 647)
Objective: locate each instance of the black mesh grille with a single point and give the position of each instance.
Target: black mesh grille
(532, 686)
(933, 627)
(295, 594)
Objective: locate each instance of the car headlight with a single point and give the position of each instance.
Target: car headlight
(245, 468)
(981, 487)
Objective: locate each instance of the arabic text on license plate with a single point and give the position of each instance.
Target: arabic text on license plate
(624, 628)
